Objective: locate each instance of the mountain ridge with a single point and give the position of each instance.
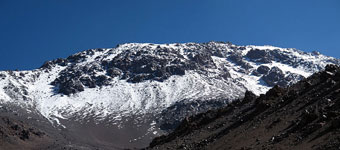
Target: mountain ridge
(301, 116)
(153, 85)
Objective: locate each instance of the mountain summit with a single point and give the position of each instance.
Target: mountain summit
(137, 91)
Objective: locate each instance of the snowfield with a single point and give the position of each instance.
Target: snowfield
(123, 98)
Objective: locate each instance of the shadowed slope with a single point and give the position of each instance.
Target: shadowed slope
(302, 116)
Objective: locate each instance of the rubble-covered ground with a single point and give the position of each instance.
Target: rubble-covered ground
(302, 116)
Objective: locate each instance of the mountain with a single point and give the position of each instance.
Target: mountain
(302, 116)
(123, 97)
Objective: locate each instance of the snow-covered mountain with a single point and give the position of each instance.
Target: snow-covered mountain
(150, 85)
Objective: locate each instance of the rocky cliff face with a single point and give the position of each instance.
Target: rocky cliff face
(302, 116)
(147, 89)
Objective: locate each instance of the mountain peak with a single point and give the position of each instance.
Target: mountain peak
(145, 79)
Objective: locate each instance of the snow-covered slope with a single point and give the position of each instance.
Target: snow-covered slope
(137, 79)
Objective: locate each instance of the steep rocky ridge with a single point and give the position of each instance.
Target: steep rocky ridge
(302, 116)
(148, 88)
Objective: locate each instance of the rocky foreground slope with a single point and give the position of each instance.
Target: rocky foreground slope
(305, 115)
(123, 97)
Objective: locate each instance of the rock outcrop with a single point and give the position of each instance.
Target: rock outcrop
(302, 116)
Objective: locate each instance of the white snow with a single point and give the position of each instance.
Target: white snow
(286, 68)
(122, 98)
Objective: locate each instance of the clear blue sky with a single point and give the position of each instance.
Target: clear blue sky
(33, 31)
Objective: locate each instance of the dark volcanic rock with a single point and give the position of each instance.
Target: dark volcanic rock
(302, 116)
(136, 67)
(71, 86)
(171, 117)
(274, 77)
(281, 57)
(142, 62)
(262, 70)
(261, 56)
(238, 59)
(50, 64)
